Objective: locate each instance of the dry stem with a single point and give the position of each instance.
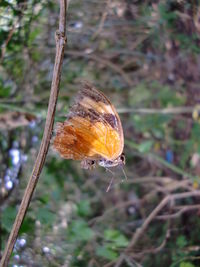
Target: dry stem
(154, 213)
(60, 44)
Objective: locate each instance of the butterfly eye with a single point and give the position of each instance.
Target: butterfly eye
(122, 158)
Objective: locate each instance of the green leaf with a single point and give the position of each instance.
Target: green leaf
(181, 241)
(166, 14)
(5, 91)
(140, 94)
(8, 217)
(151, 123)
(28, 225)
(84, 208)
(44, 198)
(116, 238)
(107, 253)
(145, 146)
(45, 216)
(166, 96)
(34, 34)
(186, 264)
(79, 231)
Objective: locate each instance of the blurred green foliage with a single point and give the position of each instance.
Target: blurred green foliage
(71, 220)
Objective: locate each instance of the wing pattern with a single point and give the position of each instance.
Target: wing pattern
(92, 130)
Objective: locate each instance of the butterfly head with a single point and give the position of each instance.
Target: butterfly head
(112, 163)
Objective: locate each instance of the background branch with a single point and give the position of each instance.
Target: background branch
(60, 44)
(154, 213)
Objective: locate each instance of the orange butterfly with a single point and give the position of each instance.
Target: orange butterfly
(92, 132)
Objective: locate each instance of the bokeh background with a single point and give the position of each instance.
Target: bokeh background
(144, 55)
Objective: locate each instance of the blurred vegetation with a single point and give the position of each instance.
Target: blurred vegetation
(145, 56)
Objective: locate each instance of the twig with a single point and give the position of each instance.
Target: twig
(104, 61)
(102, 21)
(20, 109)
(12, 31)
(93, 263)
(188, 258)
(178, 213)
(170, 166)
(109, 264)
(146, 111)
(60, 44)
(132, 262)
(108, 211)
(149, 111)
(148, 251)
(120, 261)
(3, 48)
(153, 250)
(154, 213)
(167, 183)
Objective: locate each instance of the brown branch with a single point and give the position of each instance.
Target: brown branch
(120, 260)
(102, 21)
(153, 250)
(135, 256)
(60, 44)
(3, 49)
(178, 213)
(10, 34)
(165, 111)
(154, 213)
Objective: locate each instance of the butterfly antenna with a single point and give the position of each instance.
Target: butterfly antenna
(111, 181)
(109, 186)
(107, 169)
(124, 173)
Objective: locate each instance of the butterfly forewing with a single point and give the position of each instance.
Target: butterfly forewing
(95, 105)
(93, 127)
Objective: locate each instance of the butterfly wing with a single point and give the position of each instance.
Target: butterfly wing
(93, 129)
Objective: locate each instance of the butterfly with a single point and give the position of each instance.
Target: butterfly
(92, 132)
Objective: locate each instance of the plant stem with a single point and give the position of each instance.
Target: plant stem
(162, 161)
(39, 163)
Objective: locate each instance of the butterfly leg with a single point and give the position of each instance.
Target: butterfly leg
(88, 164)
